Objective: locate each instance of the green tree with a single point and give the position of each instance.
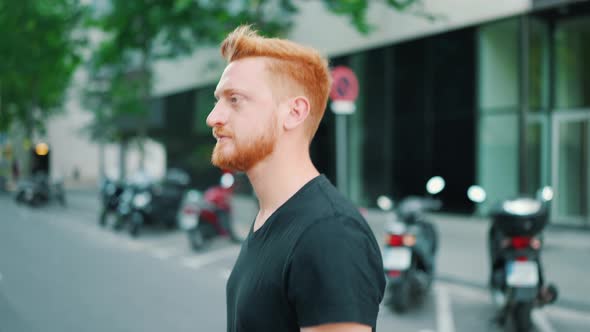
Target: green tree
(139, 32)
(39, 52)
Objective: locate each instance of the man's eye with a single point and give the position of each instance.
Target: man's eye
(233, 99)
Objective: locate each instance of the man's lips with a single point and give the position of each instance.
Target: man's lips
(220, 136)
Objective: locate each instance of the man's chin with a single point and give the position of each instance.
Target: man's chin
(225, 162)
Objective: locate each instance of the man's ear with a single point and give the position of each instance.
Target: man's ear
(299, 108)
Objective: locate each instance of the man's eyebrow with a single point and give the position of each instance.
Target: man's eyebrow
(227, 92)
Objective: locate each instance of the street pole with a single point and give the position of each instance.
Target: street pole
(341, 154)
(344, 92)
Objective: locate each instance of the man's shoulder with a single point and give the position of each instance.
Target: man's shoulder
(321, 213)
(325, 202)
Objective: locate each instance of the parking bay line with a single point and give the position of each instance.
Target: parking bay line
(567, 314)
(541, 322)
(539, 316)
(444, 312)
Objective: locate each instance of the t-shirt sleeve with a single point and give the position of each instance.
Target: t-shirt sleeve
(336, 274)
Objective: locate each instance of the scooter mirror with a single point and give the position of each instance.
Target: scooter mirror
(476, 194)
(435, 185)
(384, 203)
(545, 194)
(227, 180)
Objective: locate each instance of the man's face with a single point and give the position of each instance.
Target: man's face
(244, 119)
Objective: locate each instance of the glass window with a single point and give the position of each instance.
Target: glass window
(498, 67)
(538, 65)
(572, 51)
(497, 146)
(498, 155)
(573, 164)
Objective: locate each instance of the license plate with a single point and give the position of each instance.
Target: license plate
(519, 274)
(397, 259)
(188, 222)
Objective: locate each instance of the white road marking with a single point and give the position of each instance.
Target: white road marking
(567, 314)
(541, 321)
(208, 258)
(444, 313)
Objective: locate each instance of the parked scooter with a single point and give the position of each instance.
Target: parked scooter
(110, 192)
(39, 190)
(410, 247)
(207, 215)
(515, 242)
(149, 202)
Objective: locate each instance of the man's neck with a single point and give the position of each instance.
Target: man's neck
(277, 179)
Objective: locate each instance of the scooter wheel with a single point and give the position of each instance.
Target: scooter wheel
(135, 224)
(196, 238)
(400, 297)
(522, 317)
(119, 223)
(102, 219)
(62, 201)
(134, 230)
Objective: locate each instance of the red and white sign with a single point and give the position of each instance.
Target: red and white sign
(344, 91)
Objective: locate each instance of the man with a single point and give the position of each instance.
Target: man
(310, 262)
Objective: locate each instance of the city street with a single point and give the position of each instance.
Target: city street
(59, 271)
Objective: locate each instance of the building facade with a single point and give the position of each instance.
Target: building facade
(493, 93)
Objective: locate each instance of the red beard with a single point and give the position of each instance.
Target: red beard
(244, 155)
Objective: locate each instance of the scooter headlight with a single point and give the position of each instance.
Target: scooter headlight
(142, 199)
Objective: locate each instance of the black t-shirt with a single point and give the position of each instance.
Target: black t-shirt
(314, 261)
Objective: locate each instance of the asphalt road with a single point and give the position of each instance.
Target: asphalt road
(60, 272)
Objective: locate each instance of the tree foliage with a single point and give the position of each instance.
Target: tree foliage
(39, 52)
(139, 32)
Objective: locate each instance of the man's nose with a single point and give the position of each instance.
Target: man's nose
(217, 117)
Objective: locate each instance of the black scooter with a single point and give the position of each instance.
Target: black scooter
(410, 247)
(514, 245)
(149, 202)
(39, 190)
(110, 193)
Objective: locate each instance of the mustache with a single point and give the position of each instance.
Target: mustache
(219, 132)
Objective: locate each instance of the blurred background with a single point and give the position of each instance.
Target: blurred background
(105, 169)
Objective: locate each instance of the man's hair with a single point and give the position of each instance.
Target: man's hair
(298, 64)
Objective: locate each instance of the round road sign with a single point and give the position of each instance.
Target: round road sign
(345, 86)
